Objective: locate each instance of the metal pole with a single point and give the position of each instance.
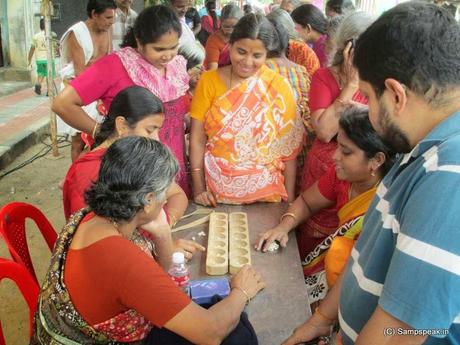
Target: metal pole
(47, 7)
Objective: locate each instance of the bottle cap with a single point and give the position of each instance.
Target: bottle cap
(178, 258)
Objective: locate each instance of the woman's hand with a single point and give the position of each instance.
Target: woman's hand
(188, 247)
(278, 233)
(248, 280)
(311, 329)
(206, 199)
(350, 73)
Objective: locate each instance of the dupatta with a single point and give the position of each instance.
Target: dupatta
(252, 129)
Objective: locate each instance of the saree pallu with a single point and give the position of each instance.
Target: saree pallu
(252, 130)
(324, 264)
(319, 226)
(57, 322)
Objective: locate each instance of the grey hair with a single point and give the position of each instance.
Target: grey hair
(132, 168)
(351, 27)
(230, 11)
(284, 19)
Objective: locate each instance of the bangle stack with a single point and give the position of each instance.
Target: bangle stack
(248, 299)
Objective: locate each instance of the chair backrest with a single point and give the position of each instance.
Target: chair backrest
(13, 230)
(26, 284)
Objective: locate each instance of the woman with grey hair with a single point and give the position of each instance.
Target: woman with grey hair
(297, 51)
(332, 90)
(104, 285)
(217, 46)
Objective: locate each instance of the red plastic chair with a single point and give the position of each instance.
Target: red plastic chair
(26, 284)
(13, 230)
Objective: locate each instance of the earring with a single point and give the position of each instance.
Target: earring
(372, 173)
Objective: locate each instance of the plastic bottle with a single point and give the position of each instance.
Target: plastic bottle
(179, 271)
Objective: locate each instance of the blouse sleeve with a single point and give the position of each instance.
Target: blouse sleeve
(203, 96)
(146, 288)
(95, 81)
(328, 184)
(212, 49)
(320, 91)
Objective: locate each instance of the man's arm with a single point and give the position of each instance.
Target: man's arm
(77, 55)
(31, 53)
(382, 329)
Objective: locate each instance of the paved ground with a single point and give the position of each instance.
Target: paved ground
(24, 119)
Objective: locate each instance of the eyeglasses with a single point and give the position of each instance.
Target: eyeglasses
(228, 27)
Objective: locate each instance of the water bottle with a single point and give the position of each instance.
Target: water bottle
(179, 272)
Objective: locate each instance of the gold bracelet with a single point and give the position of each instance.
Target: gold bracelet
(195, 169)
(248, 299)
(172, 220)
(322, 316)
(95, 130)
(288, 214)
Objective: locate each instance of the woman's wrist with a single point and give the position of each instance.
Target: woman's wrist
(242, 292)
(322, 320)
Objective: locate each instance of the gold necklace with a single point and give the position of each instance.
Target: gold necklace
(116, 226)
(351, 188)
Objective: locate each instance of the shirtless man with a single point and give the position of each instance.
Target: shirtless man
(81, 45)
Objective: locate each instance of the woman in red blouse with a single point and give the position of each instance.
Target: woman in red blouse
(104, 285)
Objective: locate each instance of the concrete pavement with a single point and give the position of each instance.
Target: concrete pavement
(24, 120)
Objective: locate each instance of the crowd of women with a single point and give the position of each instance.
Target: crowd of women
(276, 116)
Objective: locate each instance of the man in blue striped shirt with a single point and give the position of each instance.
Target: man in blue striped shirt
(402, 282)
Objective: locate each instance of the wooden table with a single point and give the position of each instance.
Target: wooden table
(283, 304)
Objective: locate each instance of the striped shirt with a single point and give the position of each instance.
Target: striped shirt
(121, 25)
(407, 259)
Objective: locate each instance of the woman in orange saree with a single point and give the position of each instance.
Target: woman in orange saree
(246, 132)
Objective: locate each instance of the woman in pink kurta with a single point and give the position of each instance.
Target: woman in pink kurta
(149, 59)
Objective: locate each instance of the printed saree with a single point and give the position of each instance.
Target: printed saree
(252, 130)
(323, 265)
(57, 322)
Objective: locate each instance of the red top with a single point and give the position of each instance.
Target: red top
(334, 189)
(114, 275)
(80, 175)
(324, 89)
(103, 80)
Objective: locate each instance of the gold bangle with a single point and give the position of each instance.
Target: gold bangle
(195, 169)
(248, 299)
(322, 316)
(95, 130)
(288, 214)
(172, 220)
